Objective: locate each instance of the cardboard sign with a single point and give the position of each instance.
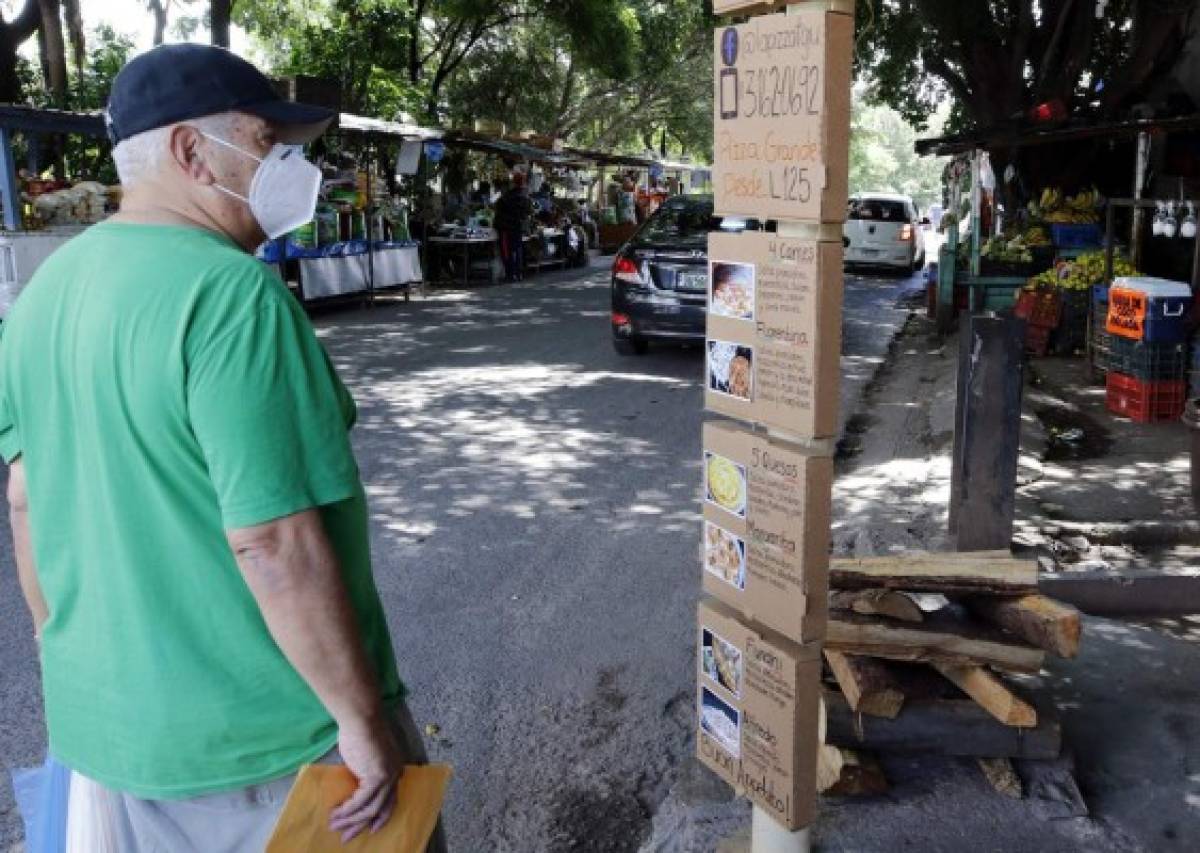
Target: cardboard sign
(766, 530)
(758, 703)
(774, 331)
(724, 7)
(782, 116)
(1126, 313)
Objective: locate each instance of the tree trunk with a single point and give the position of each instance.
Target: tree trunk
(75, 35)
(159, 9)
(12, 36)
(54, 51)
(220, 12)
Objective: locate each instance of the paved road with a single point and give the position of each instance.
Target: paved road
(535, 533)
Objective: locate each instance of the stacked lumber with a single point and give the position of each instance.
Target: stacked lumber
(921, 652)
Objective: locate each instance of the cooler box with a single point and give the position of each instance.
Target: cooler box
(1149, 309)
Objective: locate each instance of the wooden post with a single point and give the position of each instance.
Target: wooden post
(987, 428)
(1139, 181)
(8, 183)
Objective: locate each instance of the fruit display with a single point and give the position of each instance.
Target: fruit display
(1055, 208)
(1005, 250)
(1081, 273)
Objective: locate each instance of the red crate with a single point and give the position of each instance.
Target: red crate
(1040, 308)
(1143, 400)
(1037, 340)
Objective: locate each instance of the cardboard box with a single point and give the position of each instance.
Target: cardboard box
(775, 331)
(782, 116)
(758, 710)
(725, 7)
(766, 539)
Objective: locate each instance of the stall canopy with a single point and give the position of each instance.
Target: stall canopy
(1021, 135)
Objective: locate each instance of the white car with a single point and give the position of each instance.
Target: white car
(883, 229)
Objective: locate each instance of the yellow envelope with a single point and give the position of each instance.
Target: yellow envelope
(320, 788)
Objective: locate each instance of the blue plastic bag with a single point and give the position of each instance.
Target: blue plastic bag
(42, 794)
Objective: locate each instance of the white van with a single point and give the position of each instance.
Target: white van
(884, 229)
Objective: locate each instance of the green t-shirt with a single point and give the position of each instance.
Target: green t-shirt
(163, 387)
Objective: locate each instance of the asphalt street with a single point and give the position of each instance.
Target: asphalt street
(535, 523)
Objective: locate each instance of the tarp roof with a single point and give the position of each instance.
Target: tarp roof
(1021, 135)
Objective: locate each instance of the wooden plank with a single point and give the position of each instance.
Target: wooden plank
(943, 727)
(941, 639)
(877, 602)
(1002, 777)
(859, 775)
(992, 694)
(866, 683)
(1042, 621)
(978, 572)
(987, 432)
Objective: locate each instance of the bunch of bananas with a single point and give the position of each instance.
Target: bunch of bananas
(1080, 274)
(1054, 207)
(1035, 236)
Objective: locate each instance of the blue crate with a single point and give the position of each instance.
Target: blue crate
(1075, 236)
(1100, 296)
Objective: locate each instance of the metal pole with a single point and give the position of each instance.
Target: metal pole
(767, 836)
(1139, 182)
(8, 183)
(976, 208)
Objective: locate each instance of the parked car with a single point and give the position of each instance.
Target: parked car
(883, 229)
(660, 277)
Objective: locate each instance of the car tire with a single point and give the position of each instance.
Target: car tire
(631, 346)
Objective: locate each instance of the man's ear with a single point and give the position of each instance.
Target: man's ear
(187, 154)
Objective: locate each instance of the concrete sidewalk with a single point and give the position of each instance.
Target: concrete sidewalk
(1129, 704)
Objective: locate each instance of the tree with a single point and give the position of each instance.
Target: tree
(219, 16)
(999, 58)
(13, 34)
(882, 158)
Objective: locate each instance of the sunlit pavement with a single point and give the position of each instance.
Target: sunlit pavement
(535, 530)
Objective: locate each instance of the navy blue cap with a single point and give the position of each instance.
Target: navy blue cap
(177, 82)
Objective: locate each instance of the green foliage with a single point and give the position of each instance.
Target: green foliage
(605, 72)
(882, 158)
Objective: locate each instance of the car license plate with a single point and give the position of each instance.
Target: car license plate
(697, 281)
(869, 251)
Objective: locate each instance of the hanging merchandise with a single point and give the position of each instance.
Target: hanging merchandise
(435, 151)
(408, 161)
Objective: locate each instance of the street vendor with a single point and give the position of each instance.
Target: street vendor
(189, 522)
(514, 211)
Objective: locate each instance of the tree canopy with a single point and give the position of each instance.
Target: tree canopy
(999, 58)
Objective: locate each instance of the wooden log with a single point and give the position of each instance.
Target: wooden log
(866, 683)
(877, 602)
(996, 572)
(859, 775)
(1001, 776)
(829, 767)
(1036, 619)
(992, 694)
(942, 639)
(943, 727)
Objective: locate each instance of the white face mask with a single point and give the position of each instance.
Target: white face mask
(283, 191)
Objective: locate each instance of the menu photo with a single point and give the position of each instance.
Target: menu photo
(721, 661)
(725, 555)
(725, 483)
(721, 721)
(732, 291)
(731, 370)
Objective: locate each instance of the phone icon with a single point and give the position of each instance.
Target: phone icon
(729, 93)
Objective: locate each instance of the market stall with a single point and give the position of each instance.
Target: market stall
(40, 215)
(1109, 279)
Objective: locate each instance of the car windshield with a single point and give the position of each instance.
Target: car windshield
(877, 210)
(688, 224)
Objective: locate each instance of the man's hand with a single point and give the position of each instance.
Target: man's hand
(373, 755)
(18, 513)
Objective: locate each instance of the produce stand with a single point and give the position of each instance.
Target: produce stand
(444, 251)
(22, 251)
(995, 292)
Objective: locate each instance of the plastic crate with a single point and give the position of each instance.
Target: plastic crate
(1152, 310)
(1067, 236)
(1039, 308)
(1037, 340)
(1071, 334)
(1145, 401)
(1194, 383)
(1100, 298)
(1156, 362)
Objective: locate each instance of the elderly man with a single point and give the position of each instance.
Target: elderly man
(189, 521)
